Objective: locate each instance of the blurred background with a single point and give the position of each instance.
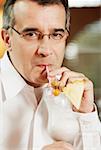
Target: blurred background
(83, 52)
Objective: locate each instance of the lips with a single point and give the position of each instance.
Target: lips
(43, 65)
(43, 73)
(43, 68)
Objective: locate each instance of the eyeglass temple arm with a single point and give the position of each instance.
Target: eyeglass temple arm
(14, 30)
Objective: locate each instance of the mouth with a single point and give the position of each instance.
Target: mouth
(43, 65)
(43, 69)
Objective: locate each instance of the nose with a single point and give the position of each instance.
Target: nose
(44, 48)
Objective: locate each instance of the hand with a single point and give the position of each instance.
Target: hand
(61, 145)
(70, 76)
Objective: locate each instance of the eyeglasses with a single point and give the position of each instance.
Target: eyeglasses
(37, 35)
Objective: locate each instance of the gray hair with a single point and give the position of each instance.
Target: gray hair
(8, 14)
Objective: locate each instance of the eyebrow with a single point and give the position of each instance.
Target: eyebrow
(36, 29)
(59, 30)
(29, 29)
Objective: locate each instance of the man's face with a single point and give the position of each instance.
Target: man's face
(30, 57)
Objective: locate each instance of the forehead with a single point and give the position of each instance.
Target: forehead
(30, 14)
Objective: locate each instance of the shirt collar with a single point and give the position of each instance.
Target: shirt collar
(12, 82)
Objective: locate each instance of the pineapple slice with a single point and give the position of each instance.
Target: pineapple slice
(74, 92)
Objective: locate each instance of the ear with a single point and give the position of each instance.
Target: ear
(6, 38)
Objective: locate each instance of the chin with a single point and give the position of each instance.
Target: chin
(38, 82)
(42, 81)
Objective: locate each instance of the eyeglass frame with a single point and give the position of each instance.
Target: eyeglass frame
(42, 35)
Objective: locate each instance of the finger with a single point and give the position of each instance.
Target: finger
(80, 78)
(66, 146)
(74, 109)
(58, 71)
(88, 84)
(61, 145)
(88, 90)
(70, 76)
(87, 103)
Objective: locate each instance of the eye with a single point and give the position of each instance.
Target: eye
(31, 35)
(57, 35)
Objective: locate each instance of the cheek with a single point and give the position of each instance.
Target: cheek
(22, 55)
(23, 51)
(60, 53)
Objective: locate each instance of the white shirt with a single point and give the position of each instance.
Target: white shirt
(26, 125)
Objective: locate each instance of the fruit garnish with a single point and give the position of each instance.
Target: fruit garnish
(56, 92)
(74, 92)
(55, 84)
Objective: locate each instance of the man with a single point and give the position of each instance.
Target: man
(35, 33)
